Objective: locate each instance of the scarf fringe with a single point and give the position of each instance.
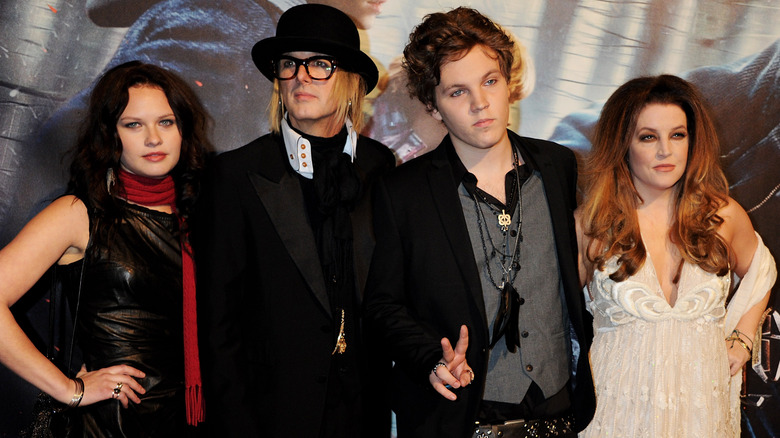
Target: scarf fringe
(196, 406)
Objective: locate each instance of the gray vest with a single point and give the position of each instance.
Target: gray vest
(543, 356)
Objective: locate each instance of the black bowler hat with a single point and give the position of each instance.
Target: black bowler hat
(316, 28)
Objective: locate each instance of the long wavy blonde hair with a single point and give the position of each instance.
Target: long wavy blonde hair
(609, 209)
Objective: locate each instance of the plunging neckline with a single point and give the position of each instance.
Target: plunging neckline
(649, 259)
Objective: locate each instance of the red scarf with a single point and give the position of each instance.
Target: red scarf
(153, 192)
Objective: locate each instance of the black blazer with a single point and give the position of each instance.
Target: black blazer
(265, 323)
(424, 284)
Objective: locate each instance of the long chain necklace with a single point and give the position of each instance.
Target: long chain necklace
(509, 271)
(506, 322)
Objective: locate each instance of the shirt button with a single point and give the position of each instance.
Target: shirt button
(529, 368)
(303, 156)
(334, 279)
(524, 334)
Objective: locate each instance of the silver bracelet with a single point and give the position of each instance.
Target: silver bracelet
(78, 395)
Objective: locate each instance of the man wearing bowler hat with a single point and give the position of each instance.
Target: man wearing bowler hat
(286, 237)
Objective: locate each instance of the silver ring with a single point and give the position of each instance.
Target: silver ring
(472, 374)
(436, 367)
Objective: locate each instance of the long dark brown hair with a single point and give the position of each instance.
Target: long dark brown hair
(99, 149)
(611, 199)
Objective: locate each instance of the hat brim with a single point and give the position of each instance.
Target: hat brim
(349, 59)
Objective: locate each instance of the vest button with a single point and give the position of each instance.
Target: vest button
(529, 368)
(524, 334)
(521, 301)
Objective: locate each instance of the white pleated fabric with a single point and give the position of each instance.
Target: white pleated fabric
(660, 371)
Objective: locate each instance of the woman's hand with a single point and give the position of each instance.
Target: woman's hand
(452, 370)
(117, 382)
(738, 356)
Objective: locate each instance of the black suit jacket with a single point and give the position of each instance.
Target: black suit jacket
(424, 284)
(265, 323)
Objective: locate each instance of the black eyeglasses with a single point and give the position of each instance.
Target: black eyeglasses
(318, 67)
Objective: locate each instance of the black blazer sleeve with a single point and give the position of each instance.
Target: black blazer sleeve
(388, 313)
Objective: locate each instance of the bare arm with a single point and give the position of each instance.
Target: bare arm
(58, 234)
(740, 236)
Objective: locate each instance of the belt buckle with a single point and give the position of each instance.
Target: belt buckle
(484, 431)
(497, 430)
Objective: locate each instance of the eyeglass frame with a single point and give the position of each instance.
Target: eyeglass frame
(305, 63)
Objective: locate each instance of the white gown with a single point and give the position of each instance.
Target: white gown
(660, 371)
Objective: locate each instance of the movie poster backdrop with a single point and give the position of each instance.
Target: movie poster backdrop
(52, 51)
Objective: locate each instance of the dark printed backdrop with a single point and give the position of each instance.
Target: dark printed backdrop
(50, 53)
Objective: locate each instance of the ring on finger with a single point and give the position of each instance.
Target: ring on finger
(472, 374)
(436, 367)
(118, 388)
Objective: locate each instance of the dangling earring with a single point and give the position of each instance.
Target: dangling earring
(349, 102)
(110, 179)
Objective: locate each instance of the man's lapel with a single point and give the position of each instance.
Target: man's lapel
(279, 195)
(447, 203)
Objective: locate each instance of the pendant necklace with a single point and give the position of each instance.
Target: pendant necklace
(509, 271)
(504, 218)
(506, 322)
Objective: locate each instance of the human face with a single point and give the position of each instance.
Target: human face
(150, 137)
(309, 102)
(362, 12)
(472, 100)
(658, 152)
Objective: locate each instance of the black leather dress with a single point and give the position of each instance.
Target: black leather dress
(131, 313)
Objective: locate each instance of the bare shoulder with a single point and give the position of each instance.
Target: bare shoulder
(736, 223)
(58, 234)
(737, 230)
(67, 211)
(63, 226)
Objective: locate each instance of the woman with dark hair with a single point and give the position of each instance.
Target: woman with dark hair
(120, 237)
(659, 239)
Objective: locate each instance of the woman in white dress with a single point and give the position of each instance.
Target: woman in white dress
(659, 238)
